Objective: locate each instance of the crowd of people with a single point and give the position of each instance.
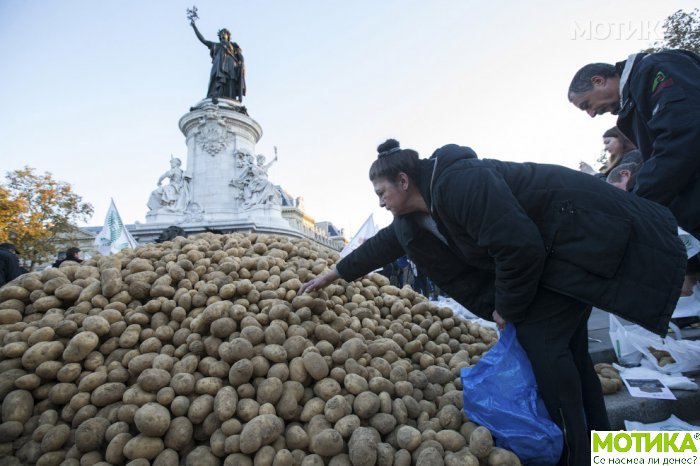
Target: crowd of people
(536, 246)
(11, 268)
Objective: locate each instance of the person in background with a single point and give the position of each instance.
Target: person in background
(388, 270)
(72, 254)
(656, 98)
(623, 176)
(9, 263)
(620, 150)
(404, 272)
(534, 245)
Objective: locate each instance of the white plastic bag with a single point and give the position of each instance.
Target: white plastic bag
(688, 306)
(627, 354)
(631, 343)
(686, 353)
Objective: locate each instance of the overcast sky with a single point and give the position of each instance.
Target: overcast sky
(92, 91)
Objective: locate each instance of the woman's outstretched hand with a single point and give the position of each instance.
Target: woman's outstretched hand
(319, 282)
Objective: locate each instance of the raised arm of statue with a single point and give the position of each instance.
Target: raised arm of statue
(268, 165)
(199, 35)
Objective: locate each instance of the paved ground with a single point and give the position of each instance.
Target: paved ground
(621, 405)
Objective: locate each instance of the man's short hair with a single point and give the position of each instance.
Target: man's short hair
(582, 78)
(72, 252)
(615, 175)
(8, 247)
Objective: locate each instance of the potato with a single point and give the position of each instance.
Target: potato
(152, 420)
(327, 388)
(55, 438)
(90, 382)
(201, 455)
(259, 431)
(10, 430)
(17, 406)
(225, 403)
(366, 404)
(363, 447)
(143, 447)
(336, 408)
(183, 383)
(90, 434)
(152, 380)
(114, 453)
(481, 442)
(200, 408)
(240, 373)
(10, 316)
(208, 385)
(40, 353)
(328, 442)
(502, 457)
(167, 457)
(179, 433)
(451, 440)
(80, 346)
(269, 390)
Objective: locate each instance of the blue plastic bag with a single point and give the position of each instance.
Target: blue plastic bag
(500, 393)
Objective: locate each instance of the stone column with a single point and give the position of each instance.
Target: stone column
(214, 134)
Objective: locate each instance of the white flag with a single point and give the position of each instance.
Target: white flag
(114, 236)
(366, 231)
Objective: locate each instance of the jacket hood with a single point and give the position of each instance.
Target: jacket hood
(441, 160)
(451, 152)
(447, 155)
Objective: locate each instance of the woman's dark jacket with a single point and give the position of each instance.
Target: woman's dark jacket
(512, 227)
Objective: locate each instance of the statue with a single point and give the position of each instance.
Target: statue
(253, 186)
(174, 196)
(227, 78)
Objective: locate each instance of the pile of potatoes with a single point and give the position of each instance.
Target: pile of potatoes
(200, 352)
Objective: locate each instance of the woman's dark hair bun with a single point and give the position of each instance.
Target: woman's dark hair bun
(388, 145)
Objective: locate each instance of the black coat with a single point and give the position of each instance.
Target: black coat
(660, 113)
(512, 227)
(9, 266)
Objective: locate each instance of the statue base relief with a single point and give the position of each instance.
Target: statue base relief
(221, 178)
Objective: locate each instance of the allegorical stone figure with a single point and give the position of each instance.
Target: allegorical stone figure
(174, 196)
(227, 78)
(252, 183)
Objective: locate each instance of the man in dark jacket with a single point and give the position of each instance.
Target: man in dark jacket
(657, 100)
(9, 263)
(72, 255)
(535, 245)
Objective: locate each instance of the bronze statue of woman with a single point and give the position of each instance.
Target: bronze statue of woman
(227, 78)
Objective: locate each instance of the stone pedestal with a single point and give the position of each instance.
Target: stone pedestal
(216, 136)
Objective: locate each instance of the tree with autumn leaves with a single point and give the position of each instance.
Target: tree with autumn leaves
(35, 209)
(681, 31)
